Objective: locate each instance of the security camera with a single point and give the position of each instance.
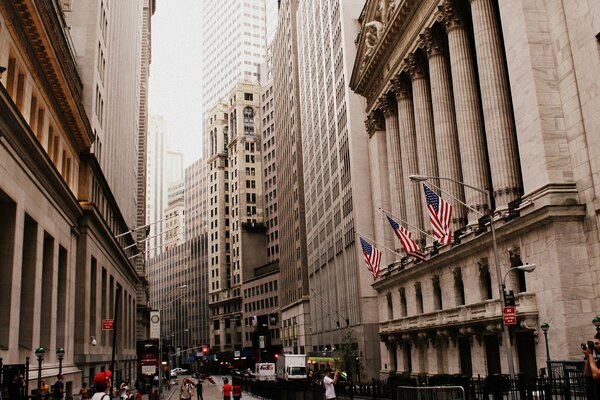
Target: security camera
(93, 341)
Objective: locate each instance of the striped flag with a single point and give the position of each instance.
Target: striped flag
(410, 246)
(372, 257)
(440, 214)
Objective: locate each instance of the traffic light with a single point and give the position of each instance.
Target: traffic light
(276, 356)
(205, 350)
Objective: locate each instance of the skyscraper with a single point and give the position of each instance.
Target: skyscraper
(287, 151)
(233, 46)
(336, 179)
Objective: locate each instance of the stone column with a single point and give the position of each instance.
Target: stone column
(394, 157)
(410, 163)
(497, 106)
(446, 136)
(471, 137)
(380, 178)
(423, 123)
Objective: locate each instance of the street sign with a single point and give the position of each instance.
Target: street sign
(510, 315)
(108, 324)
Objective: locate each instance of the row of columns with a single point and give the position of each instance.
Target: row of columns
(446, 116)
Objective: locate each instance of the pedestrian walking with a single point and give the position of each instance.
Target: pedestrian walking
(199, 390)
(58, 390)
(187, 389)
(226, 389)
(45, 390)
(84, 392)
(236, 391)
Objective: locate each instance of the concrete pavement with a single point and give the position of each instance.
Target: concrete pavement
(210, 391)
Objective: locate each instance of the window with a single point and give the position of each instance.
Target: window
(418, 298)
(485, 280)
(390, 307)
(459, 287)
(248, 121)
(403, 307)
(437, 293)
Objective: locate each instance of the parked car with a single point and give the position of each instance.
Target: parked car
(179, 371)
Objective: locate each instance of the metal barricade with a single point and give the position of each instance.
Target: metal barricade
(430, 393)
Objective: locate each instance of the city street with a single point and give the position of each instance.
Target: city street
(210, 391)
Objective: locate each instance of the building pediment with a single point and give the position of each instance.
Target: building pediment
(382, 21)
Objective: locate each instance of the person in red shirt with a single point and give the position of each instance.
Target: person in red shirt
(226, 389)
(236, 391)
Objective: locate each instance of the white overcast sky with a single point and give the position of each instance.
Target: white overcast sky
(175, 74)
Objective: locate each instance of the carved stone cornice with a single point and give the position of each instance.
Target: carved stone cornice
(449, 16)
(387, 106)
(401, 87)
(414, 67)
(42, 32)
(430, 43)
(366, 66)
(374, 123)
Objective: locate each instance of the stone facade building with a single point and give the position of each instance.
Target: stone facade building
(235, 210)
(501, 96)
(63, 267)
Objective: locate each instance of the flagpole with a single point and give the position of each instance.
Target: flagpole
(379, 244)
(405, 222)
(460, 201)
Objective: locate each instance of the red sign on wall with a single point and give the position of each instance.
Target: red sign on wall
(510, 315)
(108, 324)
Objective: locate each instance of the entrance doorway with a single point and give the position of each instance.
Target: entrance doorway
(492, 354)
(526, 354)
(464, 351)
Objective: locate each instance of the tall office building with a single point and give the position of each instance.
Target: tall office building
(235, 213)
(293, 284)
(108, 39)
(195, 198)
(233, 46)
(269, 167)
(164, 168)
(336, 180)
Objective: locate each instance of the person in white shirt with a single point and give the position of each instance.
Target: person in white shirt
(329, 382)
(102, 385)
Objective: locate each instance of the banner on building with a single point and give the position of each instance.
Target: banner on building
(154, 324)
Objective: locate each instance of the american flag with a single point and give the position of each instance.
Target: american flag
(410, 246)
(440, 213)
(372, 257)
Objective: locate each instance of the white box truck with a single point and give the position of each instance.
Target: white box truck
(265, 371)
(291, 367)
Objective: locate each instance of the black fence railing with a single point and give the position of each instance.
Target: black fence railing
(552, 386)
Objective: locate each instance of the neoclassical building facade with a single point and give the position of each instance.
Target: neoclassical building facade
(501, 96)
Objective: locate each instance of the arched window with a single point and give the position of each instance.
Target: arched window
(248, 121)
(225, 138)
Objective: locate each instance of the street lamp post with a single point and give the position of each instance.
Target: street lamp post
(545, 326)
(39, 353)
(506, 335)
(60, 353)
(160, 340)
